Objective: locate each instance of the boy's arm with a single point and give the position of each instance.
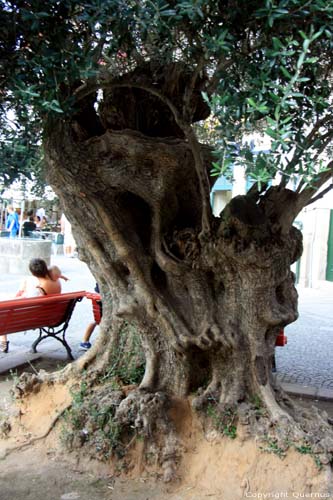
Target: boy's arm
(64, 277)
(22, 290)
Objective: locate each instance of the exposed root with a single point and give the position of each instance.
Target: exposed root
(108, 420)
(29, 383)
(8, 451)
(148, 413)
(276, 421)
(277, 414)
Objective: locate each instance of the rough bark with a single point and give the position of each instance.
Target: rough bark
(208, 303)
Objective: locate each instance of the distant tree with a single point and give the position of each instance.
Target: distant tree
(114, 89)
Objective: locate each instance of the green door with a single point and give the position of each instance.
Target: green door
(329, 268)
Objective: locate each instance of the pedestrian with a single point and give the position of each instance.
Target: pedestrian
(85, 344)
(66, 231)
(12, 222)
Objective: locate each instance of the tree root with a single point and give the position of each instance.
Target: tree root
(108, 419)
(274, 420)
(22, 446)
(148, 412)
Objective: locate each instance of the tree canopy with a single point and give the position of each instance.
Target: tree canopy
(260, 65)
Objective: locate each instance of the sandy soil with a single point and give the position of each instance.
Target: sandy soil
(212, 467)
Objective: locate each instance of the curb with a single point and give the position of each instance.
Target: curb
(16, 360)
(309, 392)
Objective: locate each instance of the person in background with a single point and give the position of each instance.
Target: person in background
(43, 223)
(66, 231)
(85, 344)
(28, 226)
(41, 283)
(40, 212)
(12, 222)
(38, 222)
(29, 213)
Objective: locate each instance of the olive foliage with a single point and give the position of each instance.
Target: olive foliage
(265, 65)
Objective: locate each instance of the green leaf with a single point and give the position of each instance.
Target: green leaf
(53, 106)
(168, 13)
(300, 60)
(272, 133)
(251, 102)
(276, 43)
(312, 60)
(306, 44)
(286, 72)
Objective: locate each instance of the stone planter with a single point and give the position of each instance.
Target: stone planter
(16, 253)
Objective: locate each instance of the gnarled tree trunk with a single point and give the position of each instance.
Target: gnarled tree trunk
(208, 309)
(209, 301)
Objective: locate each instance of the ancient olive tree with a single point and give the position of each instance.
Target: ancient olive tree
(117, 91)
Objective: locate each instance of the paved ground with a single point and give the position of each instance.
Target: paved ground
(307, 360)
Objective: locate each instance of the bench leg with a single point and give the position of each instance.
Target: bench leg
(273, 361)
(35, 344)
(52, 335)
(68, 349)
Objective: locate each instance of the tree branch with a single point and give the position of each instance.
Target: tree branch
(305, 196)
(309, 141)
(320, 195)
(190, 88)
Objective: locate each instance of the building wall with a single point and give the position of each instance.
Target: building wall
(315, 230)
(315, 220)
(220, 200)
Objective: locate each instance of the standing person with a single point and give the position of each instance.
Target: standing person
(12, 222)
(41, 283)
(85, 344)
(66, 231)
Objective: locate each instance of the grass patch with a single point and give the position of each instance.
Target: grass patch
(223, 420)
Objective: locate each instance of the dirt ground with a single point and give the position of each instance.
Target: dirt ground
(212, 467)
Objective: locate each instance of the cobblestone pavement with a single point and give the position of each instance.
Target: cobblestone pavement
(307, 359)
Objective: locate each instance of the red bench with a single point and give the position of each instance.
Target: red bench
(49, 313)
(96, 303)
(281, 341)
